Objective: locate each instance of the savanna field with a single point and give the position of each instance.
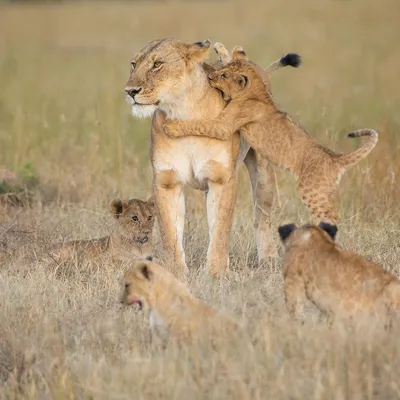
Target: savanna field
(69, 144)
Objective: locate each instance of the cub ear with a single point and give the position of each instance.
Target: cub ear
(331, 230)
(116, 208)
(239, 54)
(286, 230)
(243, 81)
(151, 202)
(145, 271)
(197, 52)
(223, 54)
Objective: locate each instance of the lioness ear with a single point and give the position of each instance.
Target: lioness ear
(331, 230)
(239, 54)
(223, 54)
(197, 52)
(116, 208)
(286, 230)
(146, 272)
(242, 81)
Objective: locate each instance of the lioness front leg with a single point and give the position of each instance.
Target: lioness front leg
(214, 129)
(170, 203)
(221, 198)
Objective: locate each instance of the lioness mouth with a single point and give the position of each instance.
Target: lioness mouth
(138, 302)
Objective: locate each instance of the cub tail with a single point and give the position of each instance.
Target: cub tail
(292, 59)
(355, 156)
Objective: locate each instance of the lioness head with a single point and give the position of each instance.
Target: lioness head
(135, 218)
(161, 72)
(291, 235)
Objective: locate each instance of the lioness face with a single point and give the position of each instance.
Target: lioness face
(231, 82)
(291, 235)
(137, 284)
(160, 74)
(135, 218)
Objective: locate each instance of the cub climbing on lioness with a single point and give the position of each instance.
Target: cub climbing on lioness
(174, 311)
(337, 281)
(274, 135)
(131, 239)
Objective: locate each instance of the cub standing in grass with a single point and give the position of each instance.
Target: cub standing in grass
(274, 135)
(173, 309)
(337, 281)
(132, 238)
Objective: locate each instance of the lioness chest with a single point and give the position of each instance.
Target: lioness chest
(193, 159)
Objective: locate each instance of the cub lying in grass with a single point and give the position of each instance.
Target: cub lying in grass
(173, 309)
(274, 135)
(132, 238)
(337, 281)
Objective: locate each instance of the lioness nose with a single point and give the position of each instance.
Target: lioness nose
(133, 91)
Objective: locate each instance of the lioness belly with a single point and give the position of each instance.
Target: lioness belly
(194, 160)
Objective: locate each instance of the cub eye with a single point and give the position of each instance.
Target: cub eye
(157, 64)
(133, 65)
(223, 75)
(150, 217)
(135, 218)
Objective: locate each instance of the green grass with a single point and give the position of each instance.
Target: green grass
(63, 115)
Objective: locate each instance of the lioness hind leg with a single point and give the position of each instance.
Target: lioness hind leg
(263, 188)
(170, 203)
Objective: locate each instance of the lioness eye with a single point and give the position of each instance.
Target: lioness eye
(157, 64)
(126, 285)
(133, 65)
(150, 218)
(135, 218)
(223, 75)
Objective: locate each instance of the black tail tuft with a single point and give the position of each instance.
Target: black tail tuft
(292, 59)
(351, 134)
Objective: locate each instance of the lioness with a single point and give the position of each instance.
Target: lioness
(274, 135)
(170, 79)
(131, 239)
(337, 281)
(173, 309)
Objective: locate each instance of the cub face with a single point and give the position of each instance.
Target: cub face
(135, 218)
(138, 283)
(291, 235)
(232, 80)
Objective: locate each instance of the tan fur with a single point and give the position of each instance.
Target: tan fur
(337, 281)
(170, 77)
(174, 311)
(131, 239)
(274, 135)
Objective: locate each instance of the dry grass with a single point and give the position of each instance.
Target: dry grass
(62, 72)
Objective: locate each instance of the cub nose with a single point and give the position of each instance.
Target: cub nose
(133, 91)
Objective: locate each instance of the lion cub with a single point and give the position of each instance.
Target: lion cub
(173, 309)
(274, 135)
(337, 281)
(131, 239)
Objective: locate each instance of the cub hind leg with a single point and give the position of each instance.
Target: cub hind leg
(319, 195)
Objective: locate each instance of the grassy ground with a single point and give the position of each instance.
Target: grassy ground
(65, 127)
